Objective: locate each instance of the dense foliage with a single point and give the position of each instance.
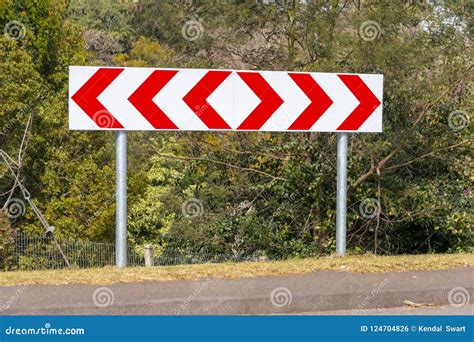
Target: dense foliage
(246, 193)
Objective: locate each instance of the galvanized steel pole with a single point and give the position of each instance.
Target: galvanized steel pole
(341, 199)
(121, 200)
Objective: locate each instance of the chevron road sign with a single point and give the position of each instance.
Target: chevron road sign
(128, 99)
(104, 98)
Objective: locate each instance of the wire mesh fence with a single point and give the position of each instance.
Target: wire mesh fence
(29, 252)
(45, 252)
(169, 258)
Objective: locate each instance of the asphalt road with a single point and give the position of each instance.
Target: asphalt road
(443, 310)
(318, 292)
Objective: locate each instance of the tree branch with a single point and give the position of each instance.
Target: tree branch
(221, 163)
(426, 155)
(401, 144)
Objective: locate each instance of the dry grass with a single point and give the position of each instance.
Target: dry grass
(359, 263)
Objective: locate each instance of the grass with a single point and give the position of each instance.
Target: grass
(352, 263)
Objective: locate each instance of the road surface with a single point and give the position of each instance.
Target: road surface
(444, 310)
(317, 292)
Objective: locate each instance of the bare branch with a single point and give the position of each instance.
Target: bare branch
(409, 133)
(426, 155)
(221, 163)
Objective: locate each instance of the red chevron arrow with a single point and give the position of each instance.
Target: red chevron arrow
(196, 99)
(86, 97)
(368, 103)
(142, 99)
(320, 101)
(270, 101)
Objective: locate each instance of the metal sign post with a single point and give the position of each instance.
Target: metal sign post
(121, 200)
(157, 99)
(341, 199)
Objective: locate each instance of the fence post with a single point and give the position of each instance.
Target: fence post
(149, 259)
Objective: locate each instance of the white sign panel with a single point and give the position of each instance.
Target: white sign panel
(105, 98)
